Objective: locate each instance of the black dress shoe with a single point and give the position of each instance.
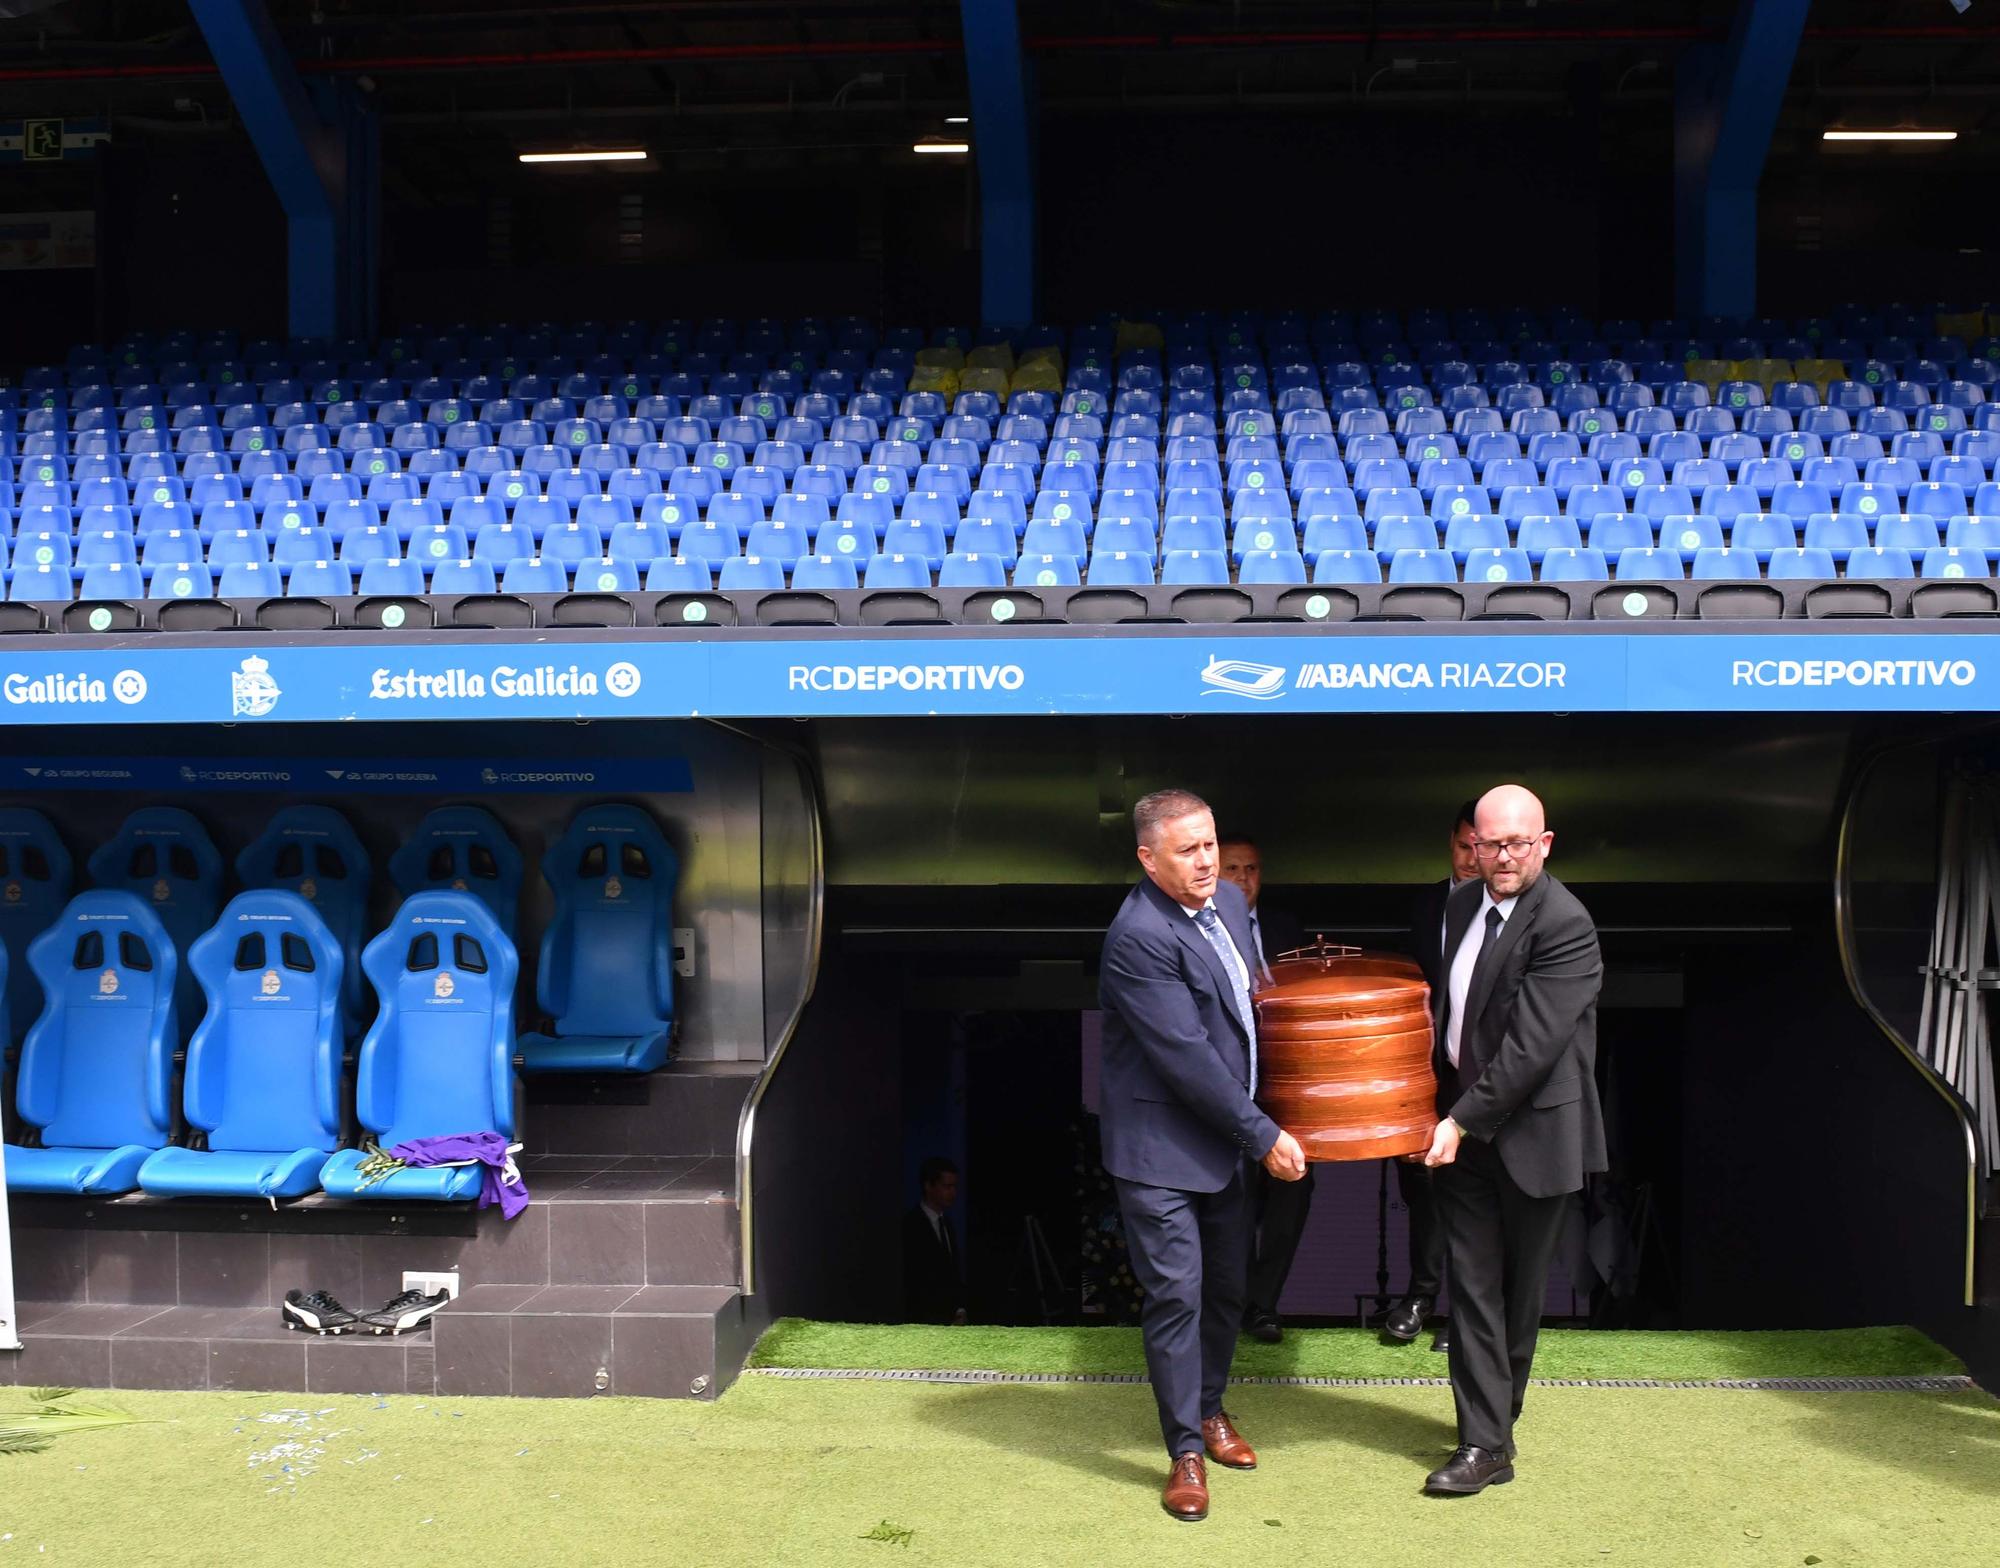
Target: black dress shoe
(1469, 1470)
(1441, 1340)
(1406, 1319)
(1263, 1326)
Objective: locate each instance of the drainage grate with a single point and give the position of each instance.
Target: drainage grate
(1779, 1385)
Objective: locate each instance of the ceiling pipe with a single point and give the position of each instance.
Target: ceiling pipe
(1047, 45)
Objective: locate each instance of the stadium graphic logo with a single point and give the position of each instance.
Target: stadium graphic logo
(1242, 678)
(271, 984)
(252, 691)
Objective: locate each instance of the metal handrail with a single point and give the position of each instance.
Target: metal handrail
(1843, 927)
(746, 1120)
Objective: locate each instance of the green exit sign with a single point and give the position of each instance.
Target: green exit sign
(41, 141)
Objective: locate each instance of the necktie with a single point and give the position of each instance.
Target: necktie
(1257, 944)
(1494, 921)
(1239, 980)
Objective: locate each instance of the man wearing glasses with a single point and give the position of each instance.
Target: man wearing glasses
(1516, 1056)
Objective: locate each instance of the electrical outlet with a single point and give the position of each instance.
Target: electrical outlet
(431, 1284)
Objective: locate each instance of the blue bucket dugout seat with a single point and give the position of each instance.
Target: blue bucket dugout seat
(466, 850)
(35, 876)
(164, 856)
(438, 1059)
(313, 851)
(97, 1067)
(606, 977)
(263, 1069)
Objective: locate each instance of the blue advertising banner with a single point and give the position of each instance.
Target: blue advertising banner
(1361, 671)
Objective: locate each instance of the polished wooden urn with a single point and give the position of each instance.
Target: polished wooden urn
(1344, 1053)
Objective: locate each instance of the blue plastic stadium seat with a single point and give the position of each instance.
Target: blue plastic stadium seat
(463, 577)
(1810, 562)
(314, 852)
(438, 1058)
(1134, 568)
(1712, 563)
(825, 572)
(1873, 562)
(606, 976)
(1643, 564)
(1946, 562)
(1198, 567)
(164, 855)
(897, 570)
(97, 1065)
(1566, 565)
(1352, 565)
(462, 849)
(263, 1069)
(35, 876)
(1498, 565)
(309, 579)
(1422, 566)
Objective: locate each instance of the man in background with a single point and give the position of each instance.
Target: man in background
(1281, 1206)
(1413, 1179)
(933, 1282)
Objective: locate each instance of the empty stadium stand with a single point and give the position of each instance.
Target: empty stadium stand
(718, 472)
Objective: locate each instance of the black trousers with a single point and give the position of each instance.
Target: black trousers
(1419, 1194)
(1500, 1242)
(1190, 1252)
(1282, 1207)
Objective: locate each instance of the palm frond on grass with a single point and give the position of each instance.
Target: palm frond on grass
(53, 1412)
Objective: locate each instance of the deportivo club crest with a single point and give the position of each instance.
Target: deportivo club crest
(162, 891)
(107, 983)
(613, 888)
(13, 892)
(252, 691)
(271, 982)
(443, 986)
(309, 890)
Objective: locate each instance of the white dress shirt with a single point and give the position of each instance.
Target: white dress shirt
(1463, 962)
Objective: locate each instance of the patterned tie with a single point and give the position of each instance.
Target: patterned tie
(1239, 979)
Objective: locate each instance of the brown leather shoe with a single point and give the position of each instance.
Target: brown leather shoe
(1186, 1495)
(1225, 1443)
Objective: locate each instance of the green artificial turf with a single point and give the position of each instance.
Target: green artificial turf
(835, 1472)
(1351, 1352)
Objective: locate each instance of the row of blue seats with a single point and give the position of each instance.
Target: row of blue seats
(612, 873)
(717, 538)
(1191, 385)
(251, 426)
(1079, 454)
(825, 573)
(996, 521)
(263, 1090)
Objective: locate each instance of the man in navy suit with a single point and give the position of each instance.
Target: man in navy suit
(1180, 1126)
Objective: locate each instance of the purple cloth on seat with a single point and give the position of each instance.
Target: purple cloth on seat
(500, 1182)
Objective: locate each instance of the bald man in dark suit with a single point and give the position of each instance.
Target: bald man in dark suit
(1516, 1059)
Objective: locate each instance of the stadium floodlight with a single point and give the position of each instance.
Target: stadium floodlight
(1889, 136)
(958, 119)
(937, 144)
(597, 155)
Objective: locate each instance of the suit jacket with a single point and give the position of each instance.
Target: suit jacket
(1279, 930)
(933, 1289)
(1528, 1042)
(1174, 1097)
(1427, 932)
